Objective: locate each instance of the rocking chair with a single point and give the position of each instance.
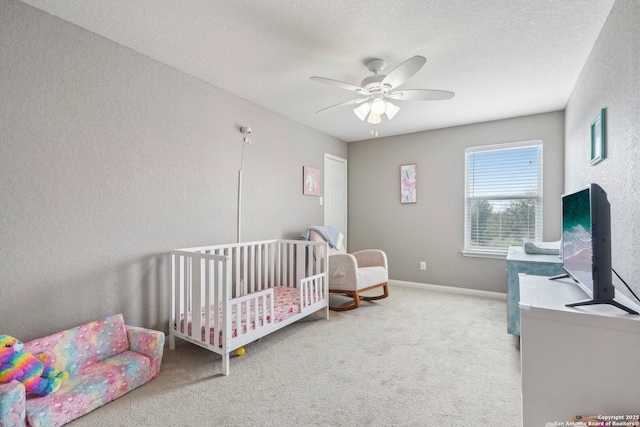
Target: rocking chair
(353, 274)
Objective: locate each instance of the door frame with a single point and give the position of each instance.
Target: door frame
(346, 192)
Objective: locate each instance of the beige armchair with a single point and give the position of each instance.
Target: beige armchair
(352, 274)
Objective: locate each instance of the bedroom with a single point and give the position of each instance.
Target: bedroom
(100, 178)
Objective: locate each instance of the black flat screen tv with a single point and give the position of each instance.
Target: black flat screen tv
(586, 245)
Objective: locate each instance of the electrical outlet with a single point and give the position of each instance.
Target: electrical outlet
(423, 265)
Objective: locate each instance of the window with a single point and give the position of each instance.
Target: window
(503, 197)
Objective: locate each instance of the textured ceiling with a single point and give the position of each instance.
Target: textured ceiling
(502, 58)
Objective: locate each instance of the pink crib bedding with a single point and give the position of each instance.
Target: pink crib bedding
(286, 304)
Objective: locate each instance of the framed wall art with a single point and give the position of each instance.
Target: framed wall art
(598, 137)
(310, 181)
(408, 183)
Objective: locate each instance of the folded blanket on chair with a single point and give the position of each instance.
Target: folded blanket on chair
(330, 233)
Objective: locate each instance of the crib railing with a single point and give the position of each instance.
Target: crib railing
(261, 265)
(199, 281)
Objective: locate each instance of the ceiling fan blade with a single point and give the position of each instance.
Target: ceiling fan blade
(353, 101)
(404, 71)
(343, 85)
(421, 95)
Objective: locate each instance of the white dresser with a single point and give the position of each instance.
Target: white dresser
(576, 361)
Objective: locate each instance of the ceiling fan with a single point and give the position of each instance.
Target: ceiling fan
(379, 88)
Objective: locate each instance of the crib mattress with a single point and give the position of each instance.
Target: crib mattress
(286, 304)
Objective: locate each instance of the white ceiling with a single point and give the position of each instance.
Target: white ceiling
(502, 58)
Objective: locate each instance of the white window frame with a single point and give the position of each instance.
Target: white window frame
(473, 251)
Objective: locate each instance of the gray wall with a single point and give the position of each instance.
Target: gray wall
(611, 80)
(432, 229)
(109, 159)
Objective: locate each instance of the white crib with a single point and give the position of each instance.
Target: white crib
(245, 291)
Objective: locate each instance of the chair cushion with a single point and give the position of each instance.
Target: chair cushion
(93, 386)
(370, 276)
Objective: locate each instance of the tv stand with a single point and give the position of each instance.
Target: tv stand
(596, 302)
(575, 361)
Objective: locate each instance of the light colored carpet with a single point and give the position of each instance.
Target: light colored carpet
(419, 357)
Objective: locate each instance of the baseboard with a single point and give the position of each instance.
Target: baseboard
(450, 289)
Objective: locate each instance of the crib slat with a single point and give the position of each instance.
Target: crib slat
(249, 313)
(319, 256)
(309, 293)
(196, 302)
(292, 266)
(282, 264)
(244, 278)
(285, 265)
(265, 314)
(235, 265)
(304, 288)
(177, 287)
(271, 309)
(318, 290)
(259, 267)
(238, 320)
(213, 304)
(256, 319)
(226, 310)
(275, 264)
(252, 268)
(290, 272)
(256, 267)
(208, 279)
(275, 268)
(216, 291)
(271, 269)
(299, 261)
(279, 264)
(187, 290)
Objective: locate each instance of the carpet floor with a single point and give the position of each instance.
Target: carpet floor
(418, 358)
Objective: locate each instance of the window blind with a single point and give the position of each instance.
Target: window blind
(503, 200)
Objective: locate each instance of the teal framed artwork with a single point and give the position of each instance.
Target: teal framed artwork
(598, 137)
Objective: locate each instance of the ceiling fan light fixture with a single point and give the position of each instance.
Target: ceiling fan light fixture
(378, 106)
(391, 110)
(362, 110)
(374, 119)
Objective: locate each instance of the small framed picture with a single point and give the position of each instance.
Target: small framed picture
(310, 181)
(598, 137)
(408, 183)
